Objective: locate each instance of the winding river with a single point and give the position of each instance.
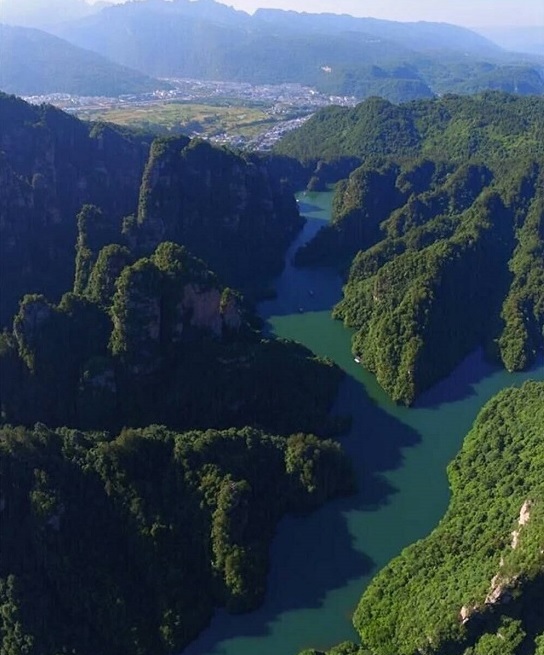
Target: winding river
(321, 563)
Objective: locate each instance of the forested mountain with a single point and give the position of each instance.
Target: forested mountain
(450, 188)
(127, 544)
(338, 54)
(488, 125)
(475, 585)
(52, 164)
(37, 63)
(420, 35)
(138, 309)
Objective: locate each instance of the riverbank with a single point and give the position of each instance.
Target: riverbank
(321, 563)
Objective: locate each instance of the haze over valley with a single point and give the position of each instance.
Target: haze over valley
(272, 328)
(337, 59)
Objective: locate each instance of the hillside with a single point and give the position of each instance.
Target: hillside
(127, 544)
(339, 55)
(189, 433)
(450, 187)
(37, 63)
(53, 164)
(489, 125)
(474, 586)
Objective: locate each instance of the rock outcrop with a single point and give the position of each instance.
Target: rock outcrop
(219, 205)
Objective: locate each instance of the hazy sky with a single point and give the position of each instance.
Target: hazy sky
(459, 12)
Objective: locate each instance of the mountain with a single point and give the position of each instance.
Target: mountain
(128, 544)
(37, 63)
(446, 187)
(418, 36)
(339, 55)
(475, 585)
(484, 124)
(52, 164)
(191, 433)
(147, 34)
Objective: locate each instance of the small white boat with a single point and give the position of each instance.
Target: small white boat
(357, 360)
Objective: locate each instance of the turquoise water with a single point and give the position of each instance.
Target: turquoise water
(320, 564)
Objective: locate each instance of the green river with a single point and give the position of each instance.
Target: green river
(320, 564)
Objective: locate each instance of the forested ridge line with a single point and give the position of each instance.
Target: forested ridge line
(441, 229)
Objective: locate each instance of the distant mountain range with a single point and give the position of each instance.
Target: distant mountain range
(34, 62)
(337, 54)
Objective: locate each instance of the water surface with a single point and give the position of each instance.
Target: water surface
(321, 563)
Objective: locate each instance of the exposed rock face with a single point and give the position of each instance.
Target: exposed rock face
(230, 311)
(203, 308)
(162, 301)
(524, 516)
(500, 592)
(233, 212)
(27, 328)
(466, 613)
(501, 585)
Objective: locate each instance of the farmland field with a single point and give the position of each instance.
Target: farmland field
(192, 119)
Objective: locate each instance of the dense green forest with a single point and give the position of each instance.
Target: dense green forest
(52, 164)
(126, 544)
(475, 585)
(156, 340)
(441, 228)
(472, 587)
(140, 500)
(489, 125)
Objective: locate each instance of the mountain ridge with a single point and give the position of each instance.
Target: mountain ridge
(35, 62)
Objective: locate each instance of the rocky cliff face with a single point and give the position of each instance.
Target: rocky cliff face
(51, 165)
(234, 212)
(228, 210)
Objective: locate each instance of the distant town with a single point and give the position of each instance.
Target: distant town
(285, 107)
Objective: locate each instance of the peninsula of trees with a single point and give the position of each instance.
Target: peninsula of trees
(475, 585)
(441, 227)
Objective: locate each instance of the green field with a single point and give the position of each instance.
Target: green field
(190, 119)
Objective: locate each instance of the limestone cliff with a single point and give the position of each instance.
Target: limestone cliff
(52, 164)
(227, 209)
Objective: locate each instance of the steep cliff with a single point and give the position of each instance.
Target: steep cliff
(51, 164)
(156, 340)
(443, 257)
(237, 213)
(218, 204)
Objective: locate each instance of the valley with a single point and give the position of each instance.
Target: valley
(271, 332)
